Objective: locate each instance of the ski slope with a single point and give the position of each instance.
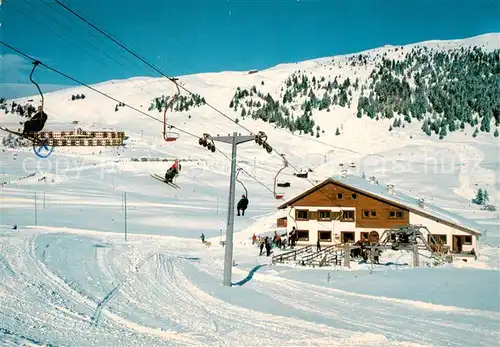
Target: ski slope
(69, 277)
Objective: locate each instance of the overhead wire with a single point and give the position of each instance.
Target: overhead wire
(86, 52)
(90, 87)
(171, 79)
(184, 88)
(118, 52)
(119, 101)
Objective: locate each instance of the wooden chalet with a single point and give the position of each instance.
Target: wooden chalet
(347, 208)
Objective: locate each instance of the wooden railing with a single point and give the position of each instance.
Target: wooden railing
(310, 257)
(291, 254)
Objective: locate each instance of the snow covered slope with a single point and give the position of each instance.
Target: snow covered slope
(68, 277)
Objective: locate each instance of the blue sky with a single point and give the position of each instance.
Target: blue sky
(185, 37)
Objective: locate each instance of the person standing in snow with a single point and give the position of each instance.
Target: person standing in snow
(268, 247)
(293, 237)
(261, 246)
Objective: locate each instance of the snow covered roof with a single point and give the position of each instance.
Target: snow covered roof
(379, 191)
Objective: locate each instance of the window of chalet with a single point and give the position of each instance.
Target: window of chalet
(438, 238)
(347, 236)
(335, 215)
(325, 215)
(282, 222)
(369, 214)
(364, 235)
(354, 196)
(302, 235)
(339, 195)
(325, 236)
(468, 240)
(396, 215)
(301, 215)
(348, 216)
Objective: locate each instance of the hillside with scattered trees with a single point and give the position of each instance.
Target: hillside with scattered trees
(181, 104)
(444, 90)
(300, 96)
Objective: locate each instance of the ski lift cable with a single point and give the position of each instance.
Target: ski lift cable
(167, 135)
(118, 43)
(183, 87)
(171, 79)
(76, 46)
(104, 51)
(243, 185)
(116, 100)
(92, 88)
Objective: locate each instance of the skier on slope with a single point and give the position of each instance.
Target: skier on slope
(36, 123)
(242, 205)
(173, 171)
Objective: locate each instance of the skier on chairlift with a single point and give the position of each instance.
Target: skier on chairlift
(242, 205)
(173, 171)
(36, 123)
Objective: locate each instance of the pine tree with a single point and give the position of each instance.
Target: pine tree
(337, 132)
(243, 112)
(479, 199)
(495, 133)
(231, 104)
(475, 133)
(390, 127)
(486, 197)
(442, 132)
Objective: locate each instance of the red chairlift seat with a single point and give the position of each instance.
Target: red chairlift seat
(279, 196)
(170, 136)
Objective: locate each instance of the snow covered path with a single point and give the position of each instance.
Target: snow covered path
(72, 287)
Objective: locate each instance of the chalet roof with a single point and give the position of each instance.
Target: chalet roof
(399, 199)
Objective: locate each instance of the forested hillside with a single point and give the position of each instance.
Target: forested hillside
(444, 90)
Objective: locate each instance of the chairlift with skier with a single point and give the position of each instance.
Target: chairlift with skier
(243, 203)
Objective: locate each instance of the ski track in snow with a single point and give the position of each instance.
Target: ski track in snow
(159, 296)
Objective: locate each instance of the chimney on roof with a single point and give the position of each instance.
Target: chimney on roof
(421, 203)
(372, 179)
(390, 189)
(344, 173)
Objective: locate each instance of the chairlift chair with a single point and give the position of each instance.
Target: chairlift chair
(170, 136)
(280, 195)
(245, 188)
